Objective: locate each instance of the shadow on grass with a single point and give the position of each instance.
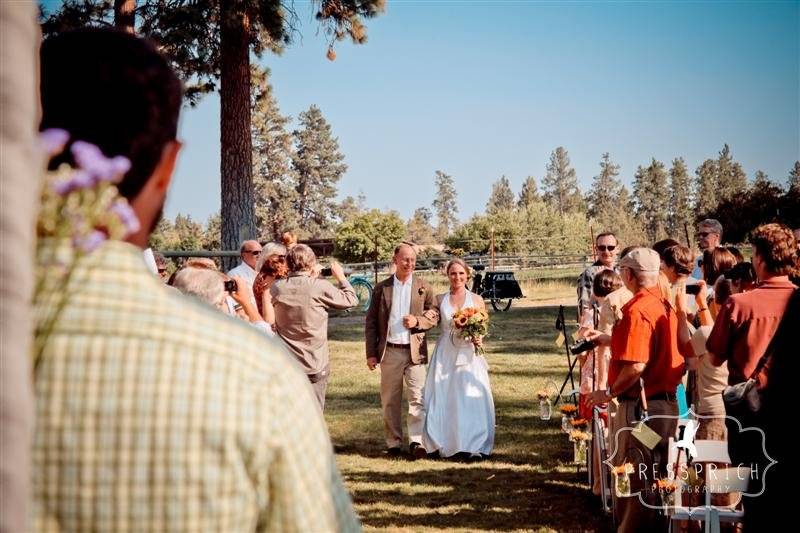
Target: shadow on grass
(488, 495)
(528, 484)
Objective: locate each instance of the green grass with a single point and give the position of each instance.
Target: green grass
(529, 484)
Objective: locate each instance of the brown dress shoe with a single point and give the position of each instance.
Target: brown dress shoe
(417, 451)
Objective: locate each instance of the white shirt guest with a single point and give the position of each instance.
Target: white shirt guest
(249, 252)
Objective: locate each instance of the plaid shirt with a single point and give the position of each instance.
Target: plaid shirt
(585, 282)
(157, 413)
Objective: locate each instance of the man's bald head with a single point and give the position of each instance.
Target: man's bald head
(250, 250)
(405, 259)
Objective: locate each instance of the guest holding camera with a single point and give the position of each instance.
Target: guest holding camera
(646, 367)
(301, 304)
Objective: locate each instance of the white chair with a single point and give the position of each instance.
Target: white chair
(717, 481)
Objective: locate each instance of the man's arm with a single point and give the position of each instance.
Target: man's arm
(628, 376)
(720, 340)
(430, 312)
(341, 298)
(371, 327)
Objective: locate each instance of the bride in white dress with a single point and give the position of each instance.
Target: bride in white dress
(459, 408)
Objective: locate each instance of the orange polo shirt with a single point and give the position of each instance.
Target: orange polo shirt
(648, 333)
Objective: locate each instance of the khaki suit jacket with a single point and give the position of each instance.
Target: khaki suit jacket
(423, 307)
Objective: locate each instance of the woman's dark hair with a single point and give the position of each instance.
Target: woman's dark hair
(679, 258)
(736, 253)
(114, 90)
(741, 272)
(605, 282)
(715, 263)
(662, 245)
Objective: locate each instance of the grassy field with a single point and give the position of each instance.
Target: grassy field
(529, 484)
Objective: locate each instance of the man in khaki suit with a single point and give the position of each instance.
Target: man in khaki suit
(402, 309)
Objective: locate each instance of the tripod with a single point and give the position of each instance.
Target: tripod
(561, 325)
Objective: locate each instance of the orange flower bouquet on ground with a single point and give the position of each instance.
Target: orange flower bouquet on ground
(471, 324)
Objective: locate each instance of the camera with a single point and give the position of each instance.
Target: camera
(693, 289)
(581, 346)
(230, 286)
(326, 272)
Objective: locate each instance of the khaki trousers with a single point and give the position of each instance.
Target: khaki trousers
(396, 367)
(630, 513)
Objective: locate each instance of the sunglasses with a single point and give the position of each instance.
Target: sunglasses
(603, 247)
(705, 234)
(162, 270)
(252, 252)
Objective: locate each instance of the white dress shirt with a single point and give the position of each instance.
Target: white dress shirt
(401, 306)
(248, 274)
(245, 272)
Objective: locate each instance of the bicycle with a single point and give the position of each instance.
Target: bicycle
(363, 288)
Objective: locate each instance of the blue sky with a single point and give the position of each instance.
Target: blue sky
(486, 88)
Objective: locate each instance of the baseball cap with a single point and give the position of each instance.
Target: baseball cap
(642, 260)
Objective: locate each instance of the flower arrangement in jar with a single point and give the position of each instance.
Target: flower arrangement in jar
(580, 441)
(545, 407)
(622, 480)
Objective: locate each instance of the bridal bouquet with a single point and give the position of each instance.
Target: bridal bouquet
(471, 324)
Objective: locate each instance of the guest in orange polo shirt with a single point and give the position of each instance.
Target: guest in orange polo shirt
(644, 350)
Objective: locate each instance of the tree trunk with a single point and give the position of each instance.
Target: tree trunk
(125, 15)
(236, 170)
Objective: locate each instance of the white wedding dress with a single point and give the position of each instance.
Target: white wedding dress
(459, 408)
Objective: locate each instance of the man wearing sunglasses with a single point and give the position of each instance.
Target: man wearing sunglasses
(606, 248)
(249, 252)
(709, 236)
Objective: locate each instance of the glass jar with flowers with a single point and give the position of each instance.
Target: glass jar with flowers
(666, 489)
(580, 440)
(545, 407)
(622, 480)
(568, 411)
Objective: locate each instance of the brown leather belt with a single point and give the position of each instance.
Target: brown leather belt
(398, 346)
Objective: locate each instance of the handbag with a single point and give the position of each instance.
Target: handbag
(745, 398)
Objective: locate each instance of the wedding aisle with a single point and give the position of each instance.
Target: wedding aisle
(529, 484)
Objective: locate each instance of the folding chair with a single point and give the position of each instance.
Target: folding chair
(599, 448)
(718, 481)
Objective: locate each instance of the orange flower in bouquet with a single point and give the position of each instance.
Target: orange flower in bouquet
(579, 423)
(471, 323)
(568, 409)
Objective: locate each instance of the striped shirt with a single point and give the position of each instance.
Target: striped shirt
(157, 413)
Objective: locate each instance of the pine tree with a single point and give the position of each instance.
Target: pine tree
(445, 205)
(212, 234)
(731, 179)
(760, 180)
(210, 43)
(274, 178)
(706, 199)
(318, 165)
(794, 177)
(606, 189)
(189, 233)
(560, 184)
(680, 210)
(652, 199)
(502, 197)
(352, 207)
(419, 229)
(529, 194)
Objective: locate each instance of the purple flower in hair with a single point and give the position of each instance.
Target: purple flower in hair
(91, 159)
(126, 216)
(80, 179)
(90, 242)
(53, 140)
